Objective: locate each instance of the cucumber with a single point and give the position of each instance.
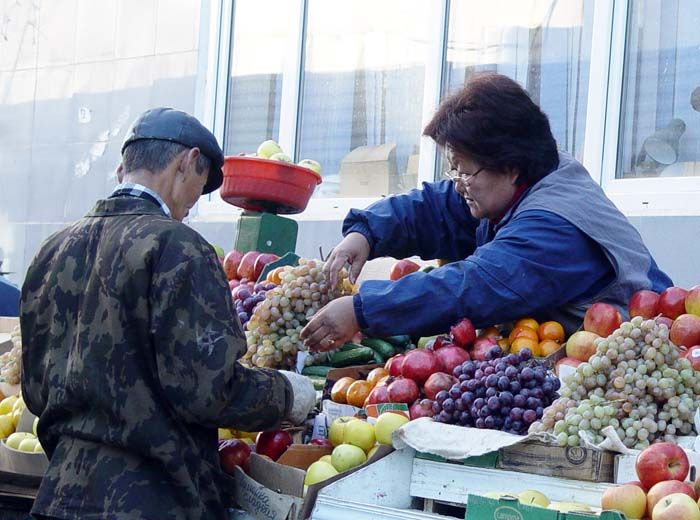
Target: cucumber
(356, 356)
(399, 341)
(318, 382)
(378, 358)
(383, 348)
(316, 370)
(348, 346)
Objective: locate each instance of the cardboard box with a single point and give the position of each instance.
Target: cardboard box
(504, 508)
(21, 462)
(369, 171)
(356, 372)
(275, 491)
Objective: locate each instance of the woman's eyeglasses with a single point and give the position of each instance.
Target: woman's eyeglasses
(456, 176)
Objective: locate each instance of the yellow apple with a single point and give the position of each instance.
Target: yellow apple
(386, 424)
(224, 434)
(360, 434)
(532, 497)
(14, 440)
(335, 432)
(628, 499)
(268, 148)
(676, 506)
(28, 445)
(281, 156)
(312, 165)
(7, 425)
(39, 448)
(347, 456)
(372, 451)
(7, 404)
(19, 405)
(319, 471)
(325, 458)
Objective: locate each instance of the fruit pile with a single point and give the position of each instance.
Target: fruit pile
(275, 324)
(636, 382)
(11, 409)
(247, 296)
(504, 392)
(11, 361)
(661, 493)
(272, 151)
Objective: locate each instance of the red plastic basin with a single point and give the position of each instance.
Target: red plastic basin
(262, 185)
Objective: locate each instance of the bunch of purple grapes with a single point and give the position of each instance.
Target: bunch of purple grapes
(246, 298)
(504, 392)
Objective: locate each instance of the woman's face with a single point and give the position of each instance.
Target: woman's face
(488, 193)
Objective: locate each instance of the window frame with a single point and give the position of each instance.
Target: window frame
(634, 197)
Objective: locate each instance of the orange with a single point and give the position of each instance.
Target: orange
(551, 330)
(525, 332)
(274, 275)
(547, 346)
(527, 322)
(358, 392)
(504, 343)
(491, 332)
(340, 389)
(521, 342)
(376, 375)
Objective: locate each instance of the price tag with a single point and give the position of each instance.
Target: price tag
(301, 360)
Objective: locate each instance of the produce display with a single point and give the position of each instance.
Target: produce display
(11, 361)
(271, 150)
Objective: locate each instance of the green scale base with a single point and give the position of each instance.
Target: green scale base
(266, 233)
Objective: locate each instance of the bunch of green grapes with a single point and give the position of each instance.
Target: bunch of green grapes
(11, 361)
(640, 384)
(273, 330)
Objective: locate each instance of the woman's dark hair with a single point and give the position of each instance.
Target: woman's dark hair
(494, 121)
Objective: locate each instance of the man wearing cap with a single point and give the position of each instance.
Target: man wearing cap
(130, 344)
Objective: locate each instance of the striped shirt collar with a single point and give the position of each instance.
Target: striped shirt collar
(132, 189)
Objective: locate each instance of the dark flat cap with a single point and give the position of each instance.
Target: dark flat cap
(169, 124)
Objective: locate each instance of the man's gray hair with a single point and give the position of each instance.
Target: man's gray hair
(154, 155)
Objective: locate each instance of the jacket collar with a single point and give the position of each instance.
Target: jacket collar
(124, 206)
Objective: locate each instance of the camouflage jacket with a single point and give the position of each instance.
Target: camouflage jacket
(129, 360)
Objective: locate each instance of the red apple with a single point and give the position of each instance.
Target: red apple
(419, 364)
(665, 488)
(672, 302)
(581, 345)
(321, 442)
(628, 499)
(451, 357)
(402, 268)
(566, 361)
(663, 320)
(693, 355)
(273, 444)
(645, 304)
(692, 301)
(677, 506)
(421, 408)
(662, 461)
(602, 319)
(232, 453)
(463, 333)
(436, 382)
(636, 483)
(231, 262)
(393, 365)
(246, 267)
(685, 330)
(261, 261)
(403, 390)
(482, 345)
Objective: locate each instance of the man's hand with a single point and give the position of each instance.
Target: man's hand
(332, 326)
(353, 250)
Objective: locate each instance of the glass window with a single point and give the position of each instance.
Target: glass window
(362, 97)
(260, 42)
(660, 123)
(545, 45)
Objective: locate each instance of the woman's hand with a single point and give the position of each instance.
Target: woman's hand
(332, 326)
(353, 250)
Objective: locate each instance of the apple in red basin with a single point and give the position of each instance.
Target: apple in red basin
(261, 261)
(273, 444)
(231, 262)
(463, 333)
(665, 488)
(692, 301)
(644, 303)
(672, 302)
(233, 453)
(401, 268)
(602, 319)
(661, 461)
(685, 330)
(246, 267)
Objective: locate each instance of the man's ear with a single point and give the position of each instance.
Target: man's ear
(120, 172)
(189, 159)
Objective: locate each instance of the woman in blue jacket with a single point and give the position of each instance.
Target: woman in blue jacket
(527, 231)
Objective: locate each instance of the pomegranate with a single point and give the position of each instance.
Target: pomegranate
(438, 343)
(482, 346)
(394, 364)
(450, 357)
(419, 364)
(436, 382)
(403, 390)
(421, 408)
(378, 394)
(463, 333)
